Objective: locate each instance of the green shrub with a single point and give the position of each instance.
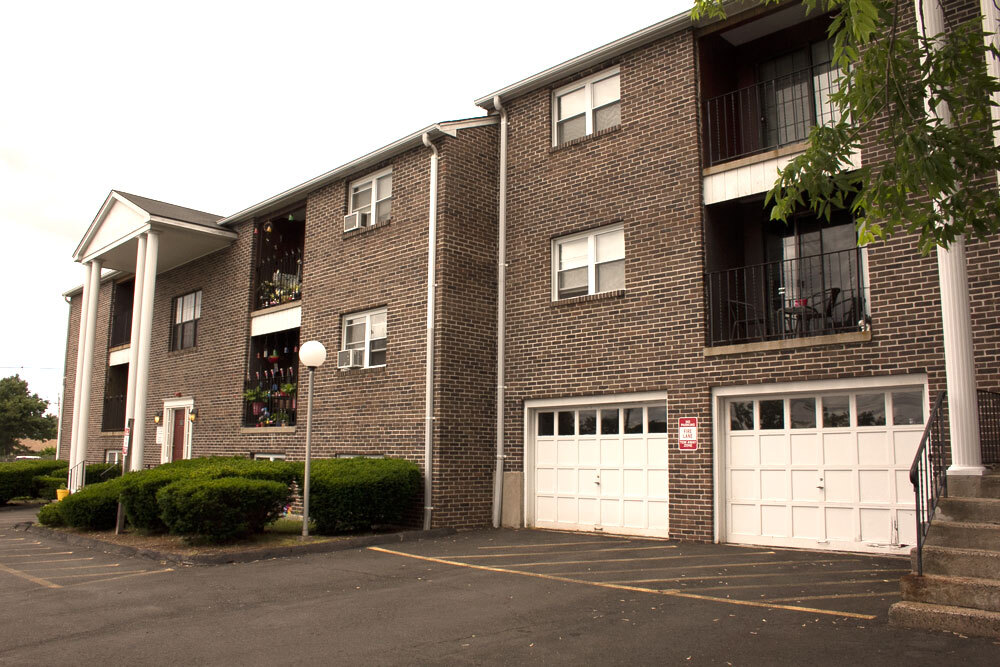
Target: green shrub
(94, 507)
(139, 494)
(50, 515)
(349, 495)
(102, 472)
(223, 509)
(17, 478)
(46, 485)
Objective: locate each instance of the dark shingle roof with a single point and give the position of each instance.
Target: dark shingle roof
(172, 211)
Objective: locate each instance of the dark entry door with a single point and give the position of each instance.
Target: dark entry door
(178, 435)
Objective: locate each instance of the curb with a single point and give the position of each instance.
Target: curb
(344, 544)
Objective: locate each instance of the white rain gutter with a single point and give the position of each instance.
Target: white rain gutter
(431, 309)
(501, 312)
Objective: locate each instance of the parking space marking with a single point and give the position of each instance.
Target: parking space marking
(808, 584)
(755, 575)
(702, 567)
(43, 553)
(636, 589)
(60, 569)
(96, 574)
(554, 544)
(24, 575)
(837, 596)
(574, 551)
(58, 560)
(637, 560)
(121, 576)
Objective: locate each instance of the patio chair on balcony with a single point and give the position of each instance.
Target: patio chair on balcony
(747, 321)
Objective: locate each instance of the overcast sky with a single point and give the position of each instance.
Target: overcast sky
(219, 105)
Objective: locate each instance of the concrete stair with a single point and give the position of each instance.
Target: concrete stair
(960, 588)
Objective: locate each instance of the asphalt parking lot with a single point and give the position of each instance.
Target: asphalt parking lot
(486, 597)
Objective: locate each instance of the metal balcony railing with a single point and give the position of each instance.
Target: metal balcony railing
(989, 426)
(769, 114)
(793, 298)
(269, 404)
(279, 279)
(113, 417)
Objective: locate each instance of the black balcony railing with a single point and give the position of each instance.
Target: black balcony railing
(267, 404)
(769, 114)
(793, 298)
(989, 426)
(113, 418)
(279, 279)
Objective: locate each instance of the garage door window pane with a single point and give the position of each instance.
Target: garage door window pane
(907, 407)
(656, 420)
(609, 422)
(741, 416)
(567, 423)
(803, 412)
(871, 409)
(772, 414)
(546, 423)
(836, 413)
(633, 420)
(588, 422)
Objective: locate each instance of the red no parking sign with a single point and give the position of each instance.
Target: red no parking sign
(687, 434)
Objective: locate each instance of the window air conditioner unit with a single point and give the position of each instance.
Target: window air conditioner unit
(350, 359)
(352, 221)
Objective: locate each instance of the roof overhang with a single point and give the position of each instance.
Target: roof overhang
(410, 141)
(113, 237)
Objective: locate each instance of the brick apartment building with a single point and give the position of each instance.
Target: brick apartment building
(613, 204)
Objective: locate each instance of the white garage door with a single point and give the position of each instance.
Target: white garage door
(823, 471)
(601, 468)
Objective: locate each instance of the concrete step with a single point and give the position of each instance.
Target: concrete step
(975, 486)
(952, 591)
(971, 510)
(964, 535)
(951, 561)
(923, 616)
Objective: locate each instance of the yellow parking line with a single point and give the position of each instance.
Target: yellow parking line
(24, 575)
(739, 576)
(76, 567)
(809, 584)
(837, 596)
(42, 553)
(574, 551)
(555, 544)
(637, 589)
(94, 574)
(702, 567)
(57, 560)
(121, 576)
(629, 560)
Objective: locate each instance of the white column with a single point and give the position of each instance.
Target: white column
(87, 373)
(74, 434)
(991, 24)
(145, 333)
(133, 350)
(956, 317)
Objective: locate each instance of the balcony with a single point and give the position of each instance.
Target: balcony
(278, 268)
(113, 417)
(121, 314)
(769, 114)
(271, 384)
(799, 297)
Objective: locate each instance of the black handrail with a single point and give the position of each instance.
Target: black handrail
(929, 475)
(989, 425)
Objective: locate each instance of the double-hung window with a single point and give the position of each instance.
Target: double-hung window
(367, 331)
(587, 106)
(187, 312)
(588, 263)
(372, 193)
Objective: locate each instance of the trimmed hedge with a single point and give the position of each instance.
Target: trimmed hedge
(223, 509)
(18, 478)
(350, 495)
(139, 493)
(45, 485)
(50, 515)
(94, 507)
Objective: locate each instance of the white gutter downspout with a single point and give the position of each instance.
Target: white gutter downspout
(501, 311)
(431, 293)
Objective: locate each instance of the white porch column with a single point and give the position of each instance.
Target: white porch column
(74, 434)
(956, 318)
(133, 350)
(86, 372)
(145, 332)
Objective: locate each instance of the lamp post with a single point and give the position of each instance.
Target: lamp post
(312, 354)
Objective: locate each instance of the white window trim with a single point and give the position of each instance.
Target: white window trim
(591, 235)
(367, 314)
(588, 86)
(370, 179)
